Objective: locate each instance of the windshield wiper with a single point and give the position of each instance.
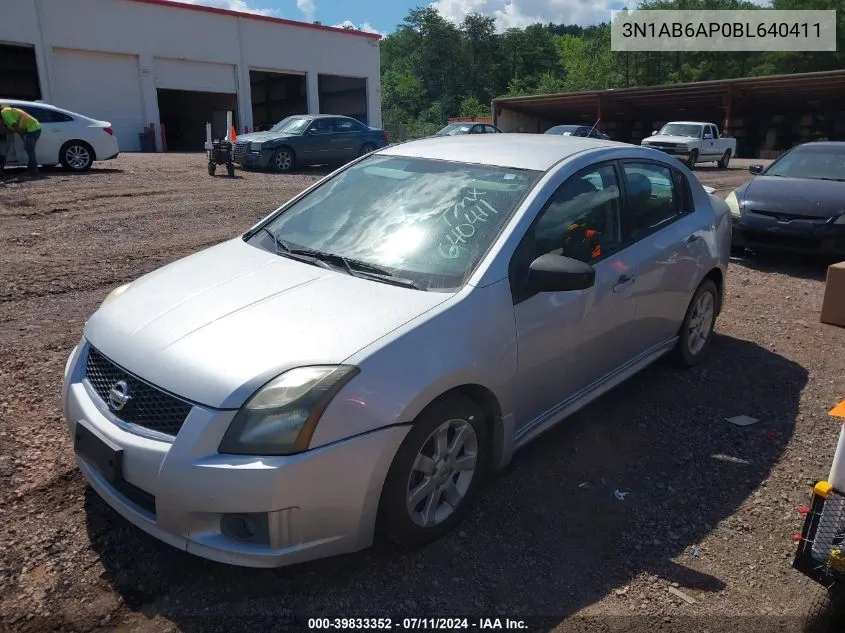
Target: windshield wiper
(352, 267)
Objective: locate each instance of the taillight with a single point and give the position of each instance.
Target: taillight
(109, 131)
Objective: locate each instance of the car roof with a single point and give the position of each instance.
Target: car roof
(42, 104)
(539, 152)
(688, 123)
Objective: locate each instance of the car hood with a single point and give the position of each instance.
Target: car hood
(667, 138)
(215, 326)
(799, 196)
(260, 137)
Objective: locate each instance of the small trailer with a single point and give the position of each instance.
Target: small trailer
(220, 151)
(821, 544)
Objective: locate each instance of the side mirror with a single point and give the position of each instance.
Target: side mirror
(556, 273)
(654, 132)
(756, 169)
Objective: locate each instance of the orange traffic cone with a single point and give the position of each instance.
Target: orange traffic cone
(234, 135)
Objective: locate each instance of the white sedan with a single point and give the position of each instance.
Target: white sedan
(67, 138)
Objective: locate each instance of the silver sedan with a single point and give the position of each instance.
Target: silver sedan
(357, 360)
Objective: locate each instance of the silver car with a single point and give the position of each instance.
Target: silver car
(357, 360)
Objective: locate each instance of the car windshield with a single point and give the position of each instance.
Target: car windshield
(681, 129)
(563, 130)
(455, 128)
(427, 221)
(814, 162)
(291, 125)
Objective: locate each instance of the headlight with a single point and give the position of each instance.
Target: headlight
(840, 219)
(733, 203)
(114, 294)
(280, 418)
(255, 146)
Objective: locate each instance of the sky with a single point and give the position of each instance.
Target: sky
(382, 16)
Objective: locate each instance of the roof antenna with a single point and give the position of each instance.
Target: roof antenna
(594, 127)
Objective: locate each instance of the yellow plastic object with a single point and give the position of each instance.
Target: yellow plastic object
(823, 489)
(836, 561)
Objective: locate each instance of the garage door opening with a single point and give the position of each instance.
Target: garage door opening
(184, 113)
(343, 95)
(276, 96)
(19, 73)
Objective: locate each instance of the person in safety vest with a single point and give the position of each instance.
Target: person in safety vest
(582, 242)
(25, 125)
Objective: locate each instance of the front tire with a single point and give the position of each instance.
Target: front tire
(692, 159)
(76, 156)
(282, 160)
(696, 334)
(436, 472)
(366, 148)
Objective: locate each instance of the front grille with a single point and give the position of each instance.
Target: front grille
(789, 217)
(782, 240)
(240, 153)
(147, 406)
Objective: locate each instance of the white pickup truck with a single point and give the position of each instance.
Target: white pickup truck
(693, 142)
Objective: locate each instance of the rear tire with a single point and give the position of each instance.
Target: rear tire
(211, 168)
(76, 156)
(366, 148)
(692, 159)
(726, 158)
(230, 169)
(696, 334)
(436, 473)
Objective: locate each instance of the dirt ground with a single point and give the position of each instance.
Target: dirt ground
(710, 507)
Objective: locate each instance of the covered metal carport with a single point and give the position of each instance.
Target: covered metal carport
(767, 115)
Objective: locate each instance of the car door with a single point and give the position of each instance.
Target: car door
(319, 145)
(668, 248)
(567, 341)
(347, 139)
(55, 131)
(709, 144)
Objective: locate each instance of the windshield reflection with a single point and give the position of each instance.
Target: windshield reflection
(426, 220)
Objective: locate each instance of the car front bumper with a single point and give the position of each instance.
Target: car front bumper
(308, 506)
(765, 234)
(672, 151)
(252, 159)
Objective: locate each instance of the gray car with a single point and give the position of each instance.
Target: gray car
(360, 358)
(309, 139)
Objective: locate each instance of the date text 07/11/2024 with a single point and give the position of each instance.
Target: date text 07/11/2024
(416, 624)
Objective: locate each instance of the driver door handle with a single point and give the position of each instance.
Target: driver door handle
(623, 282)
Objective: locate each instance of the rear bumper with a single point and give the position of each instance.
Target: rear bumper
(771, 235)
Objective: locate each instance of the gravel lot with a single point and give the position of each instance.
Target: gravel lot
(547, 538)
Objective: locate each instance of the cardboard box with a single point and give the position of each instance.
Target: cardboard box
(833, 304)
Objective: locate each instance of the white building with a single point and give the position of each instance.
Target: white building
(141, 62)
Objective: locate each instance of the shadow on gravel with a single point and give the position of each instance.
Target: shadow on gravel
(800, 265)
(547, 538)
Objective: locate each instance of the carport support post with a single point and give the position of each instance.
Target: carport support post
(598, 114)
(312, 89)
(726, 126)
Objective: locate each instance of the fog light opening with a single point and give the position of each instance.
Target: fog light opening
(247, 527)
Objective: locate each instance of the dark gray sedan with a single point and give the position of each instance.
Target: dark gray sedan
(796, 204)
(309, 139)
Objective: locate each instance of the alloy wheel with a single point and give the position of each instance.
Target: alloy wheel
(701, 323)
(442, 473)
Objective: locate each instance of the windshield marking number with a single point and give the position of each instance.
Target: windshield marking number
(460, 232)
